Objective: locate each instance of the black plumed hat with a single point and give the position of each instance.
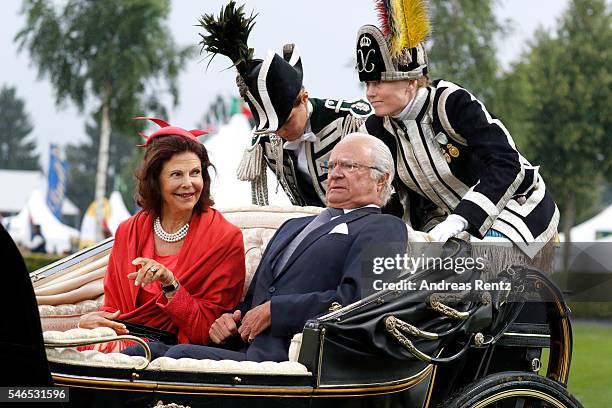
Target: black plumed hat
(396, 51)
(269, 86)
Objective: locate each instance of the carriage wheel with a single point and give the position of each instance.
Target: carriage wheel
(515, 389)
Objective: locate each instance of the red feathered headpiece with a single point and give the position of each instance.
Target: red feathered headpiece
(168, 130)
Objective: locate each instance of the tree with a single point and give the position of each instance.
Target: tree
(114, 53)
(81, 160)
(567, 110)
(463, 44)
(512, 102)
(17, 150)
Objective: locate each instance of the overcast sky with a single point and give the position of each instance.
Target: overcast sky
(324, 30)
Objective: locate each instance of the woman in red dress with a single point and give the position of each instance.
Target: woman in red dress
(177, 265)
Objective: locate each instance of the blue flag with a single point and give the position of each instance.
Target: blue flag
(57, 180)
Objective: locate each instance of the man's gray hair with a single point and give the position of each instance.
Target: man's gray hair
(383, 161)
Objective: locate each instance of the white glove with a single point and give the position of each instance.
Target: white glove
(451, 226)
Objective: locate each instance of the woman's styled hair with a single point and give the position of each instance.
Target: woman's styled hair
(159, 151)
(423, 82)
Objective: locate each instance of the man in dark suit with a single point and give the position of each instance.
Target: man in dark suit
(313, 262)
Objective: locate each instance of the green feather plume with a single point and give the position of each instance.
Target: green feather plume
(228, 35)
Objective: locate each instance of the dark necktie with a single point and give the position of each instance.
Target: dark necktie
(324, 216)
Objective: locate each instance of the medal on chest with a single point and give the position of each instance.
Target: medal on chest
(448, 150)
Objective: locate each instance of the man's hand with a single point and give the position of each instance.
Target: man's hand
(102, 319)
(224, 327)
(255, 321)
(451, 226)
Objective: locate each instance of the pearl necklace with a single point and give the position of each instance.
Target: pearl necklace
(169, 237)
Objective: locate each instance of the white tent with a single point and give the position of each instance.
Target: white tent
(21, 184)
(596, 228)
(115, 212)
(225, 151)
(57, 235)
(118, 211)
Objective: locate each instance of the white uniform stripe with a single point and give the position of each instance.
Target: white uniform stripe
(521, 174)
(534, 199)
(412, 163)
(260, 113)
(401, 169)
(262, 87)
(329, 134)
(295, 56)
(444, 117)
(441, 165)
(516, 223)
(426, 168)
(483, 202)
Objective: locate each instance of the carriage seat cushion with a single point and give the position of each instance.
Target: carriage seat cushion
(69, 355)
(118, 360)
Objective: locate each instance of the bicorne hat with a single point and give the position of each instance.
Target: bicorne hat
(396, 50)
(270, 86)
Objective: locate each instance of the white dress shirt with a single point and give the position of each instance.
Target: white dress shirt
(299, 145)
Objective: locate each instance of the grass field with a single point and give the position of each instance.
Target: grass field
(591, 370)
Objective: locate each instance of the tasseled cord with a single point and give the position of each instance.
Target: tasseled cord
(351, 124)
(252, 168)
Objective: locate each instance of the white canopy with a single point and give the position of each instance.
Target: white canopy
(596, 228)
(225, 151)
(57, 235)
(118, 211)
(21, 183)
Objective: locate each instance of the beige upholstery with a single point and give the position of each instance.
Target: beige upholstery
(258, 225)
(93, 358)
(64, 317)
(118, 360)
(228, 366)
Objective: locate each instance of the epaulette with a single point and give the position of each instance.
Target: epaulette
(358, 107)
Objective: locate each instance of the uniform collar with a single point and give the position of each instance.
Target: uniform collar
(413, 108)
(308, 135)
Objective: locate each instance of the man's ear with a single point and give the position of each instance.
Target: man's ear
(305, 96)
(380, 184)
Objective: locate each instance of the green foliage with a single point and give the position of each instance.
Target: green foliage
(463, 44)
(118, 54)
(115, 51)
(36, 261)
(511, 103)
(17, 149)
(82, 159)
(591, 310)
(558, 103)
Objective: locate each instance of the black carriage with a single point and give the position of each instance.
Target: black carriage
(392, 348)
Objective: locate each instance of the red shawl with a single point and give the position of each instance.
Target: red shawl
(210, 270)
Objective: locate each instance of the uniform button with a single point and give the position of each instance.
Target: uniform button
(271, 289)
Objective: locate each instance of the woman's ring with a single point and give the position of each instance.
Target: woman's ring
(153, 269)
